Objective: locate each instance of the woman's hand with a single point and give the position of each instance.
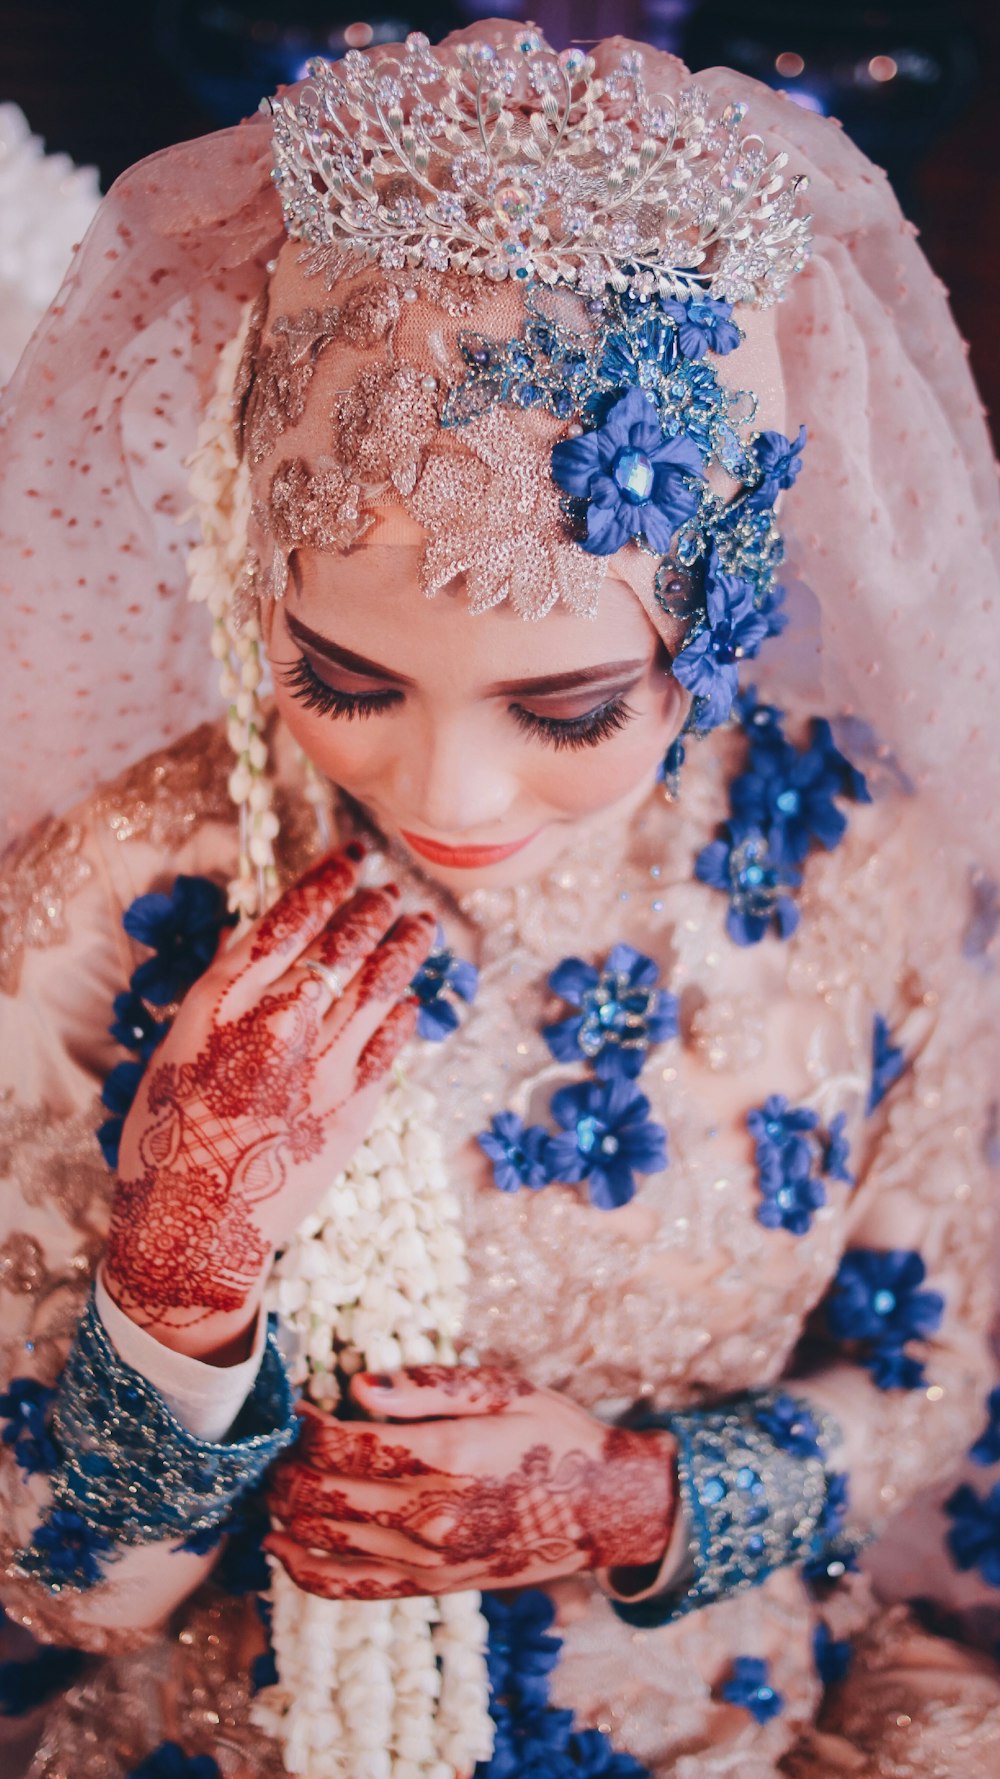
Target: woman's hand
(489, 1483)
(264, 1087)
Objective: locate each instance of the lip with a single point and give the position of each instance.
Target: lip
(463, 858)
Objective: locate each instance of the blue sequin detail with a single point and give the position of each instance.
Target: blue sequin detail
(876, 1301)
(622, 1012)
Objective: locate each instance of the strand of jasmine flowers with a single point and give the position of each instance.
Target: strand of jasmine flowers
(220, 486)
(375, 1279)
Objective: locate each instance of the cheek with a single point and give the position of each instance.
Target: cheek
(580, 781)
(350, 754)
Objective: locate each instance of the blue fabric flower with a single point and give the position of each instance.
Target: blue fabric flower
(833, 1656)
(779, 461)
(519, 1153)
(974, 1537)
(836, 1151)
(24, 1405)
(170, 1762)
(791, 1426)
(888, 1062)
(703, 325)
(741, 864)
(763, 723)
(71, 1547)
(622, 1013)
(27, 1684)
(134, 1026)
(790, 796)
(437, 1017)
(987, 1447)
(610, 1138)
(875, 1298)
(521, 1654)
(118, 1094)
(707, 665)
(182, 930)
(833, 1554)
(850, 781)
(749, 1687)
(637, 482)
(784, 1157)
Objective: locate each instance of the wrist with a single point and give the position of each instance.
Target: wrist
(639, 1504)
(213, 1337)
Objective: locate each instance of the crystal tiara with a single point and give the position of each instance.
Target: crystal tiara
(514, 162)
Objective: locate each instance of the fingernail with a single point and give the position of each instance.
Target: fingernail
(376, 1380)
(355, 850)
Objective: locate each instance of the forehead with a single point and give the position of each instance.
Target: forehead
(372, 603)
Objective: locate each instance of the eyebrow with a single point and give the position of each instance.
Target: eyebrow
(550, 682)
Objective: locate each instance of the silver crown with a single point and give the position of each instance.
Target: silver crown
(516, 162)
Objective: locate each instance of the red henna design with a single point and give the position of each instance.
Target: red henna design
(298, 1489)
(350, 1450)
(488, 1388)
(334, 1584)
(392, 966)
(357, 928)
(303, 909)
(384, 1046)
(627, 1508)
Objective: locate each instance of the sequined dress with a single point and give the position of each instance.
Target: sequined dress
(680, 1297)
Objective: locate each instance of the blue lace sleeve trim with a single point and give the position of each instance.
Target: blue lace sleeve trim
(128, 1473)
(754, 1488)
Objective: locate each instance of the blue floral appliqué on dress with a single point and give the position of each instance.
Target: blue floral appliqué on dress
(832, 1656)
(519, 1152)
(621, 1014)
(609, 1138)
(636, 481)
(750, 1688)
(790, 1151)
(533, 1739)
(781, 805)
(25, 1406)
(182, 930)
(974, 1536)
(888, 1062)
(876, 1301)
(441, 971)
(986, 1449)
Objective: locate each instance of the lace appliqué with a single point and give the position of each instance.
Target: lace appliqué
(494, 516)
(319, 508)
(41, 876)
(384, 424)
(166, 797)
(279, 385)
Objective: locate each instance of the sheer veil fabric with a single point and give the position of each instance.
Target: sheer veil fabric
(892, 527)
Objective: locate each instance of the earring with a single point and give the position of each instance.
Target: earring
(669, 770)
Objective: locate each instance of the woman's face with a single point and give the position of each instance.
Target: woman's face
(482, 743)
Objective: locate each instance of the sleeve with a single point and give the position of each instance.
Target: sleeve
(63, 957)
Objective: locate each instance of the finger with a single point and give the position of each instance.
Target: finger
(421, 1392)
(297, 1488)
(373, 1454)
(335, 1580)
(384, 1046)
(297, 918)
(362, 1541)
(357, 927)
(383, 977)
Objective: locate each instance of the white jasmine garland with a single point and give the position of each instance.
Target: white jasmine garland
(375, 1279)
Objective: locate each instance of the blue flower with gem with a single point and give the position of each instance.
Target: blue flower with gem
(888, 1062)
(791, 1426)
(742, 865)
(182, 929)
(70, 1548)
(707, 665)
(749, 1687)
(779, 461)
(169, 1761)
(790, 796)
(621, 1014)
(25, 1405)
(134, 1027)
(609, 1138)
(440, 972)
(987, 1447)
(703, 325)
(519, 1152)
(637, 482)
(876, 1299)
(833, 1656)
(974, 1536)
(784, 1157)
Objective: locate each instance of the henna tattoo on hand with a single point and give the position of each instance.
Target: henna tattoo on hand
(308, 904)
(384, 1046)
(484, 1388)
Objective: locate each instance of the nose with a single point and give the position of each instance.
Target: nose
(449, 784)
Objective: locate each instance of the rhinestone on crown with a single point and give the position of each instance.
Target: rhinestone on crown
(517, 162)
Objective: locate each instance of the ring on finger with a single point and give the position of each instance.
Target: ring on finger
(331, 978)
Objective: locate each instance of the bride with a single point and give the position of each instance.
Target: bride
(557, 986)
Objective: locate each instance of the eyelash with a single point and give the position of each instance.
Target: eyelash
(588, 730)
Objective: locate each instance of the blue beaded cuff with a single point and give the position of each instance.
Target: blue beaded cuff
(754, 1490)
(130, 1474)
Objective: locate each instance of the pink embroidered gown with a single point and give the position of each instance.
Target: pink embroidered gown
(680, 1298)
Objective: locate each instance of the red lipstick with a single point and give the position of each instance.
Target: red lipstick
(463, 858)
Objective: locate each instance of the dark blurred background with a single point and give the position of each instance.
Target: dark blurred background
(914, 83)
